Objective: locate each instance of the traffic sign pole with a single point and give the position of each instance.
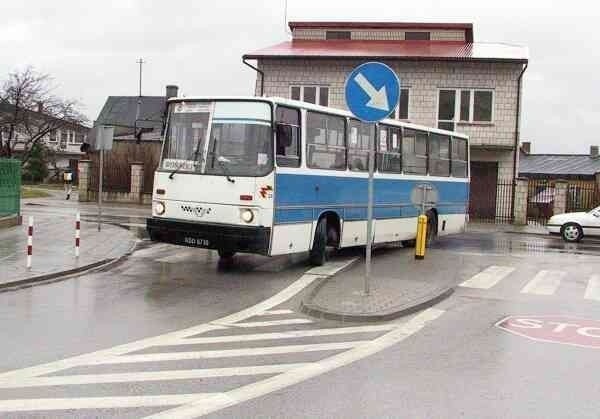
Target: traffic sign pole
(372, 92)
(369, 220)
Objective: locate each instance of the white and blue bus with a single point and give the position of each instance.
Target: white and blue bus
(275, 176)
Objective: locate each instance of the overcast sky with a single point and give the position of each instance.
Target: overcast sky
(91, 47)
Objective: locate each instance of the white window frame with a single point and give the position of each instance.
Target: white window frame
(457, 100)
(397, 111)
(318, 92)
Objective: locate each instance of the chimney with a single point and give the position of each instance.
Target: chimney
(594, 151)
(171, 91)
(40, 106)
(526, 147)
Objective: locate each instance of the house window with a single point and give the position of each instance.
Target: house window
(325, 141)
(337, 35)
(53, 136)
(465, 106)
(403, 104)
(417, 36)
(287, 128)
(79, 137)
(319, 95)
(360, 143)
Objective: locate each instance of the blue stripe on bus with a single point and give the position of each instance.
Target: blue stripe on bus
(298, 200)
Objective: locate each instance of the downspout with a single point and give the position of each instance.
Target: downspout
(259, 71)
(517, 140)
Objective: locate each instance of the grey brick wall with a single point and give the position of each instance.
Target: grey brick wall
(424, 79)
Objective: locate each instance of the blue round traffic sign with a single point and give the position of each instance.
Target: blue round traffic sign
(372, 91)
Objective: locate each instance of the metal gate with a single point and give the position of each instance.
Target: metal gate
(540, 201)
(10, 187)
(582, 196)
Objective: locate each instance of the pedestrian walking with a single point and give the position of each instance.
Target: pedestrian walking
(68, 181)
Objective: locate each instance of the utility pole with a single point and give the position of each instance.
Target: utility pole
(140, 62)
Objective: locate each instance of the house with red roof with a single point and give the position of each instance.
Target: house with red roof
(447, 79)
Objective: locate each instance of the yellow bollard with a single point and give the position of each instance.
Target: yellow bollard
(421, 237)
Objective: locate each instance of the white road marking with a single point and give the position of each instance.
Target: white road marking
(168, 338)
(544, 283)
(592, 292)
(290, 334)
(118, 354)
(142, 376)
(20, 405)
(272, 323)
(179, 256)
(275, 312)
(251, 391)
(488, 277)
(226, 353)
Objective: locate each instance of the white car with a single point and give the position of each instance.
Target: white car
(573, 226)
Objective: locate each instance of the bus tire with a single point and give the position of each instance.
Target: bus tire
(432, 228)
(318, 252)
(225, 254)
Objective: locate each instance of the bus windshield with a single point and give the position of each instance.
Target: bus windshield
(228, 138)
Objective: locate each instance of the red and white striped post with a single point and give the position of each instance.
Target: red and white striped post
(77, 228)
(29, 241)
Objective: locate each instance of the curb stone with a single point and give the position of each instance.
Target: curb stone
(308, 307)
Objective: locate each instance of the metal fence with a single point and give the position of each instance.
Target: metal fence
(582, 196)
(540, 201)
(492, 202)
(10, 187)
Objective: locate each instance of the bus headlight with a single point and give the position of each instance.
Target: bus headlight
(159, 208)
(247, 215)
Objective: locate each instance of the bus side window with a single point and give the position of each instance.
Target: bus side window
(414, 152)
(287, 134)
(360, 142)
(389, 157)
(325, 141)
(459, 157)
(439, 155)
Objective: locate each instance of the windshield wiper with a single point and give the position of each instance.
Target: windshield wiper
(222, 160)
(178, 168)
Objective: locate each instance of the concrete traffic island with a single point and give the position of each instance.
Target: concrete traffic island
(400, 285)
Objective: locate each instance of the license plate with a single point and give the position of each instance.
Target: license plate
(196, 241)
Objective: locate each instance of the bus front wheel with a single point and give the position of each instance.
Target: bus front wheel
(318, 253)
(225, 254)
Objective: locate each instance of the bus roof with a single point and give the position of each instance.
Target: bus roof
(318, 108)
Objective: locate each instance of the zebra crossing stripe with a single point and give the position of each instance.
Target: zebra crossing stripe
(275, 312)
(20, 405)
(143, 376)
(488, 277)
(592, 292)
(272, 323)
(226, 353)
(289, 334)
(544, 283)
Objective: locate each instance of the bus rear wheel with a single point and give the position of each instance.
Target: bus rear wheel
(318, 252)
(431, 229)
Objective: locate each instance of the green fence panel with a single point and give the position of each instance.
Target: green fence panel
(10, 187)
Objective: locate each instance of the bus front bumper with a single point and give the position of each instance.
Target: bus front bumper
(245, 239)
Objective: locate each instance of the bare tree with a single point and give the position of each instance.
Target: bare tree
(30, 111)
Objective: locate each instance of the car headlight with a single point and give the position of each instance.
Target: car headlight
(247, 215)
(159, 208)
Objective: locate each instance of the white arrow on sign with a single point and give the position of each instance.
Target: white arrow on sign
(378, 97)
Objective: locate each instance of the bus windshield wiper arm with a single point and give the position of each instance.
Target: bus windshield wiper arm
(196, 152)
(222, 160)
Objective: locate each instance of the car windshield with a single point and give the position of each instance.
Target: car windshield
(595, 211)
(228, 138)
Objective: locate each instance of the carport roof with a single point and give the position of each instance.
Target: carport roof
(558, 164)
(405, 50)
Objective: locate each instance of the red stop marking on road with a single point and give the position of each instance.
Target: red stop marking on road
(558, 329)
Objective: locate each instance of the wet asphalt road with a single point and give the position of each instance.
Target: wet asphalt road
(458, 365)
